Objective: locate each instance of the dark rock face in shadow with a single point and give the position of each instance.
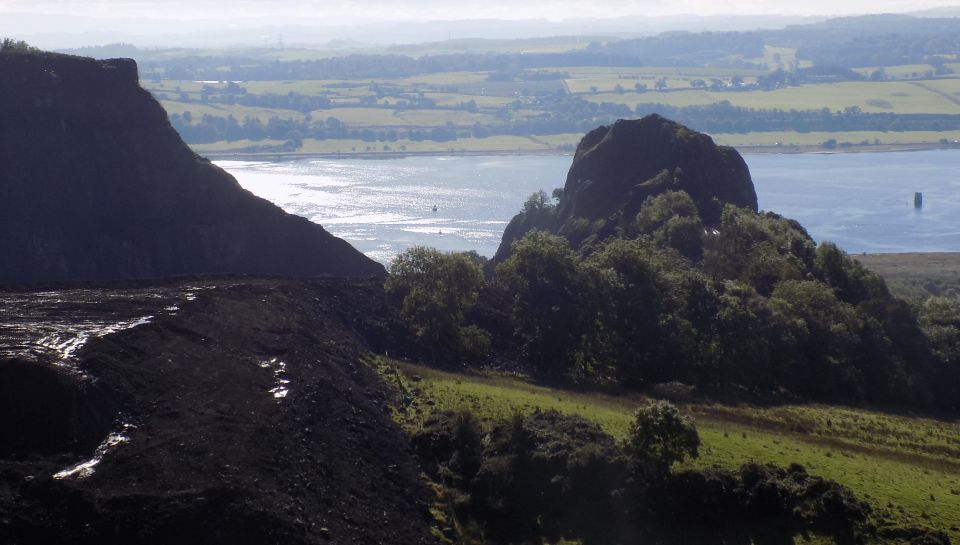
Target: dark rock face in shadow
(617, 167)
(96, 184)
(622, 163)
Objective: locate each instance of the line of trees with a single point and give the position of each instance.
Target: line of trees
(749, 307)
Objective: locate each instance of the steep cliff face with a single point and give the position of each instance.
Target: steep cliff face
(617, 167)
(96, 184)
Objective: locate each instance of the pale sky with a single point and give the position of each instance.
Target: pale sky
(454, 9)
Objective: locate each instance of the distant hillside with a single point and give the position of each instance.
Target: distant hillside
(96, 184)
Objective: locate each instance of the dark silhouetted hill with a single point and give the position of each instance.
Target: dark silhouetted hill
(96, 184)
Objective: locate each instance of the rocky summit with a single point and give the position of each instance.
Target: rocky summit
(96, 184)
(617, 167)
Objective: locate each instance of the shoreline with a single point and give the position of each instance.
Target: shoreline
(384, 155)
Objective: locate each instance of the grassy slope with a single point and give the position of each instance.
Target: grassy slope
(907, 467)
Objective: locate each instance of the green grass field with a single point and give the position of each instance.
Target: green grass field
(907, 467)
(871, 96)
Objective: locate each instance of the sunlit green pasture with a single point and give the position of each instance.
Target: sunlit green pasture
(906, 467)
(885, 96)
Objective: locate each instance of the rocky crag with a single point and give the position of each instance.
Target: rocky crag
(617, 167)
(96, 184)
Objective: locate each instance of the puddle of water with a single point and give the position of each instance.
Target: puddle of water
(56, 325)
(65, 346)
(87, 468)
(280, 389)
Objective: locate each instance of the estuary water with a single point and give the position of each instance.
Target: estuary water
(861, 201)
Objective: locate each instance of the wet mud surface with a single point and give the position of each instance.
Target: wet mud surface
(204, 411)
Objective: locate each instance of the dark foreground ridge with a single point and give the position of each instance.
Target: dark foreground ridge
(241, 414)
(96, 184)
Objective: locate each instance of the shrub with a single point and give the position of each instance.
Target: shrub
(437, 290)
(660, 436)
(450, 446)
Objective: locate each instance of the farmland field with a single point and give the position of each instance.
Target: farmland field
(546, 104)
(884, 96)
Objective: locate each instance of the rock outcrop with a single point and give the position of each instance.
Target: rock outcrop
(96, 184)
(617, 167)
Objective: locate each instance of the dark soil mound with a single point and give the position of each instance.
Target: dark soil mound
(251, 418)
(96, 184)
(47, 410)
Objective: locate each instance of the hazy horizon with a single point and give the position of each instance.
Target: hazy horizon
(439, 10)
(202, 23)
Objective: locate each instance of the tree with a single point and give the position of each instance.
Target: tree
(747, 334)
(852, 282)
(660, 436)
(9, 45)
(827, 332)
(537, 202)
(437, 290)
(631, 335)
(940, 319)
(673, 220)
(758, 249)
(552, 301)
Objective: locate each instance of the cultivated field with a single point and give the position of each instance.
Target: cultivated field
(477, 103)
(902, 97)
